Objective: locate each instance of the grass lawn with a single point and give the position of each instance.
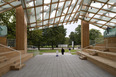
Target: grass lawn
(40, 52)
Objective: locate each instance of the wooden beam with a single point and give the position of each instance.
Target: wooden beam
(99, 9)
(109, 20)
(46, 4)
(51, 24)
(99, 19)
(8, 3)
(62, 10)
(56, 11)
(72, 10)
(78, 11)
(26, 11)
(42, 13)
(35, 11)
(49, 12)
(68, 10)
(51, 18)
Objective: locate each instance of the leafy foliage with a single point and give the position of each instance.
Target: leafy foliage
(35, 38)
(93, 34)
(76, 36)
(54, 36)
(9, 19)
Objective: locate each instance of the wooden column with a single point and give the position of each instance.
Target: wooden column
(21, 30)
(3, 40)
(84, 34)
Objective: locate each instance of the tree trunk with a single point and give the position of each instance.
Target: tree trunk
(52, 46)
(38, 47)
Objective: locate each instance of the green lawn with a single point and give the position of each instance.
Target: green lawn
(40, 52)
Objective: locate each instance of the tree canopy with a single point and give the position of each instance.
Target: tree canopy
(54, 36)
(76, 36)
(9, 19)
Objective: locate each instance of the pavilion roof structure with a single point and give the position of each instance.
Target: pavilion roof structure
(50, 13)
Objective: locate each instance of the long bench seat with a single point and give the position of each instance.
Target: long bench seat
(107, 55)
(6, 66)
(104, 63)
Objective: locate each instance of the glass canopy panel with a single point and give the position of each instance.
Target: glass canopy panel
(87, 19)
(39, 2)
(112, 14)
(38, 14)
(54, 0)
(16, 3)
(46, 15)
(66, 4)
(101, 22)
(56, 20)
(102, 0)
(102, 11)
(46, 1)
(45, 22)
(59, 12)
(53, 6)
(93, 20)
(112, 24)
(86, 2)
(71, 8)
(5, 6)
(105, 18)
(93, 10)
(113, 20)
(51, 26)
(32, 25)
(51, 21)
(96, 4)
(112, 1)
(67, 17)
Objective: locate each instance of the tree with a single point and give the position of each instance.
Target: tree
(76, 36)
(35, 38)
(67, 40)
(54, 36)
(9, 19)
(93, 34)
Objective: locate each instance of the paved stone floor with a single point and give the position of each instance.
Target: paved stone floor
(62, 66)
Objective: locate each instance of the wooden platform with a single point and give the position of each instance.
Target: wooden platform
(62, 66)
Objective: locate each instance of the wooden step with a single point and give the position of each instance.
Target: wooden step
(99, 44)
(16, 66)
(3, 49)
(101, 48)
(104, 63)
(112, 49)
(108, 55)
(92, 52)
(5, 67)
(3, 59)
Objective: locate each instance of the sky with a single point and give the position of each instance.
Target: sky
(71, 28)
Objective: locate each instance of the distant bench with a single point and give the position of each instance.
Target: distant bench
(112, 33)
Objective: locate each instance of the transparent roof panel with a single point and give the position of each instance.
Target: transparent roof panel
(42, 13)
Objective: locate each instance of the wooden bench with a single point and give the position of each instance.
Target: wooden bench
(6, 66)
(108, 55)
(108, 65)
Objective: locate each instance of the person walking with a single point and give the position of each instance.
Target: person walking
(69, 50)
(62, 51)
